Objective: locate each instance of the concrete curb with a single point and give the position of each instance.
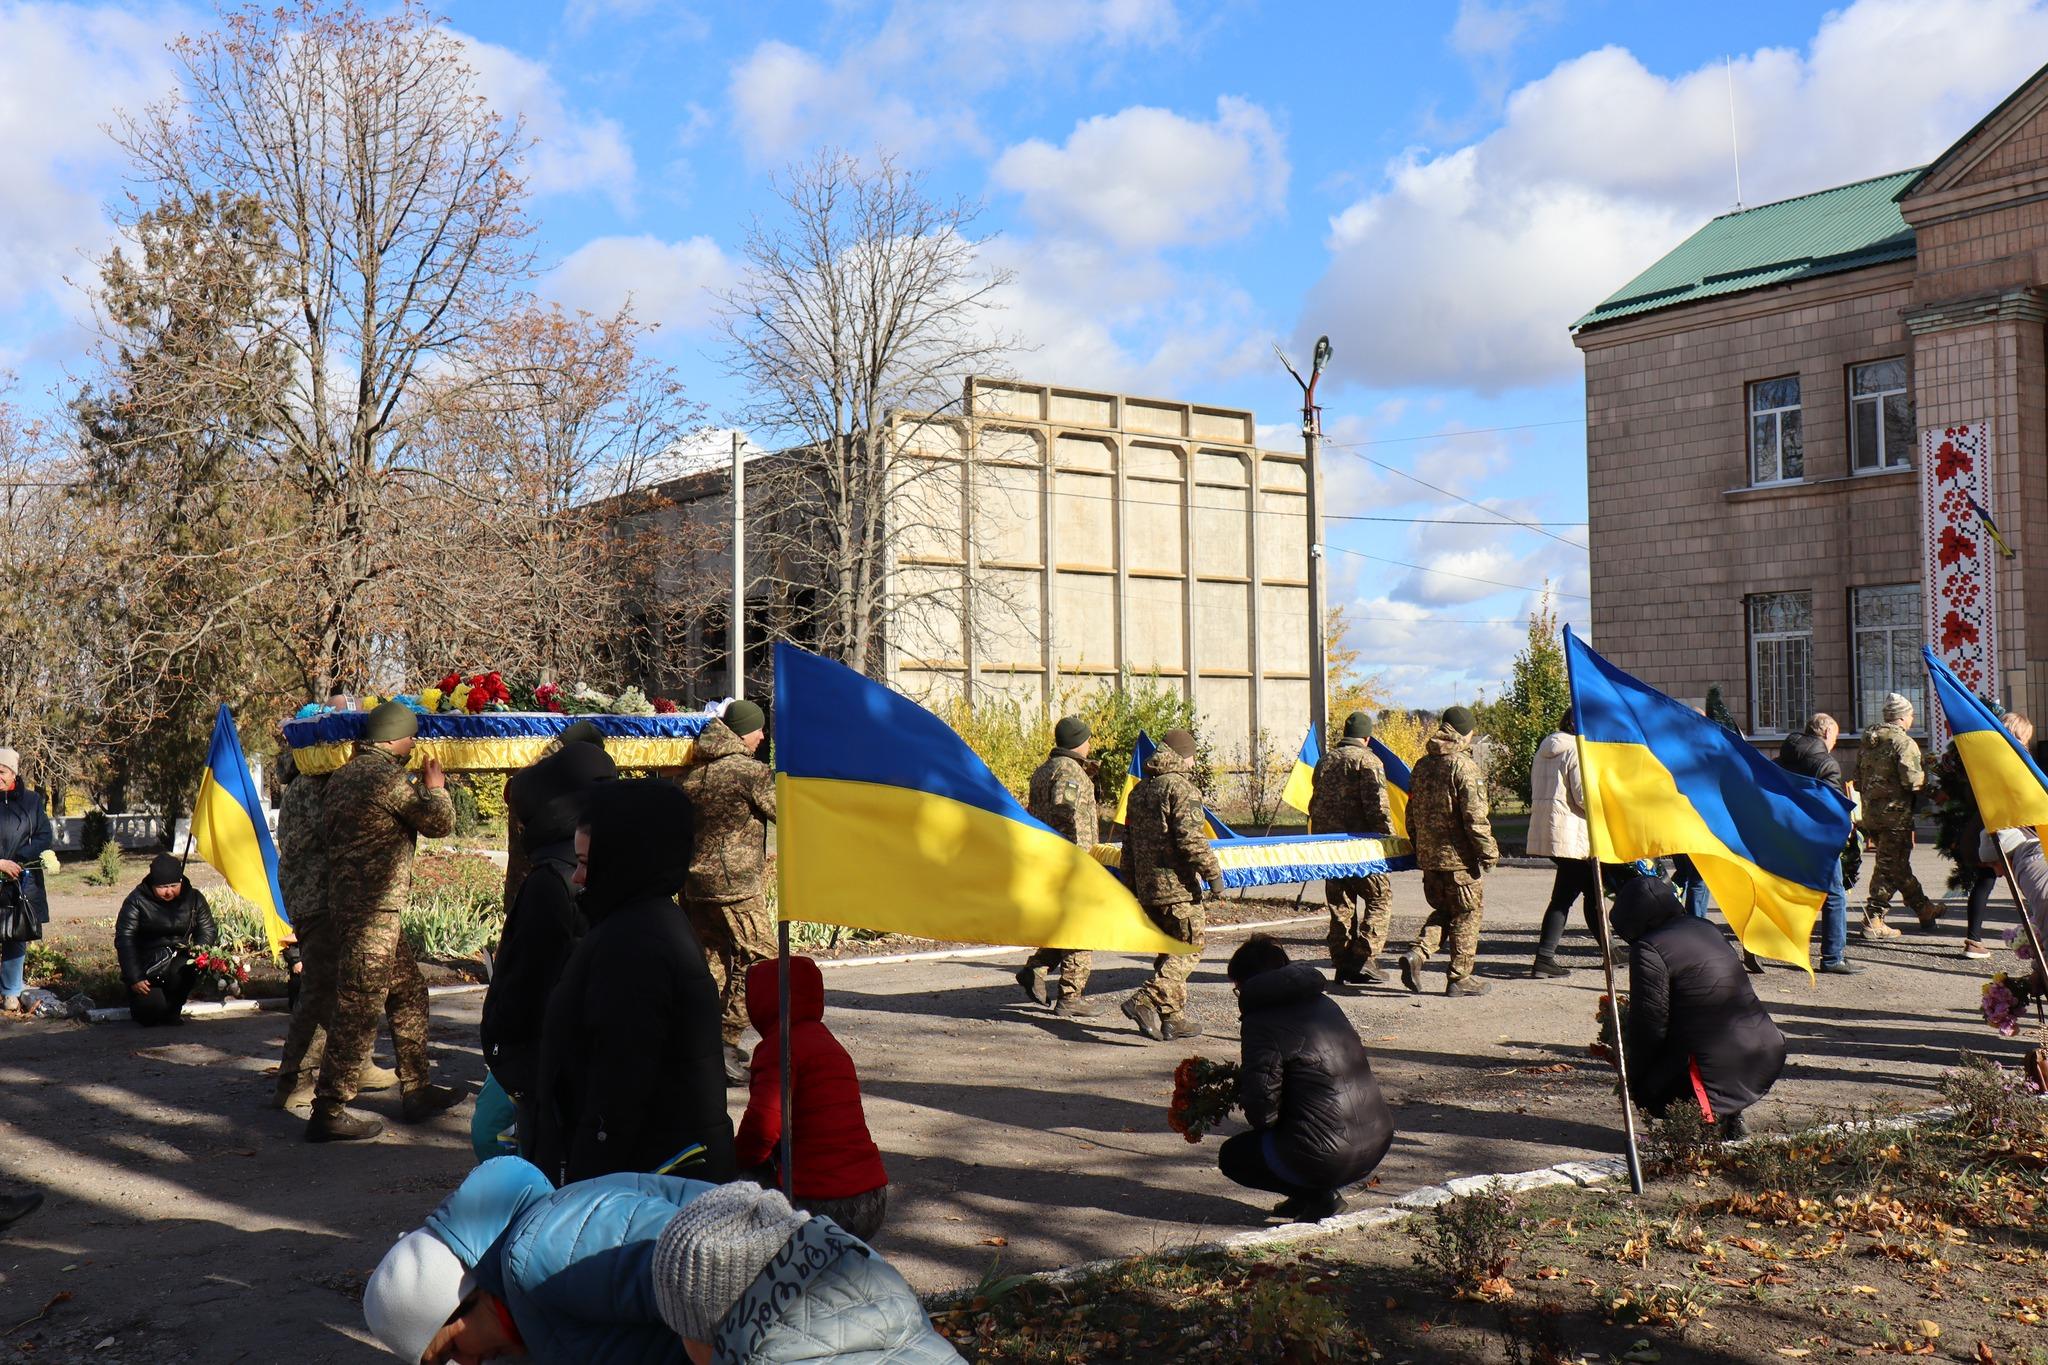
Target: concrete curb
(221, 1009)
(940, 954)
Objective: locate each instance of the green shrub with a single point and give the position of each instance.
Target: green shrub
(1683, 1142)
(107, 869)
(239, 924)
(1472, 1238)
(97, 833)
(1991, 1099)
(489, 791)
(467, 822)
(1117, 714)
(447, 930)
(45, 962)
(465, 880)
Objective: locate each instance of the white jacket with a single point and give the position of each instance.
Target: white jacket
(1557, 801)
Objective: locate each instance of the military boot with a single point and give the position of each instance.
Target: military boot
(1874, 927)
(1466, 985)
(1411, 969)
(374, 1077)
(1365, 973)
(292, 1091)
(338, 1125)
(422, 1104)
(1142, 1012)
(1072, 1006)
(1180, 1026)
(1036, 985)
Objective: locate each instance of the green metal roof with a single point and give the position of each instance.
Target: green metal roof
(1793, 239)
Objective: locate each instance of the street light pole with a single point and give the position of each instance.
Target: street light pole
(1311, 441)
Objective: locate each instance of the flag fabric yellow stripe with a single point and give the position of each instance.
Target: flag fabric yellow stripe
(2010, 789)
(1301, 782)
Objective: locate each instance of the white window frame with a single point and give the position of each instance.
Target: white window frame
(1884, 464)
(1915, 684)
(1777, 415)
(1762, 642)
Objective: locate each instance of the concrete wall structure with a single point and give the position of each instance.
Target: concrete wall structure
(1683, 535)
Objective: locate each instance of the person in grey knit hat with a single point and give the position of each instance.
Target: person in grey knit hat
(741, 1275)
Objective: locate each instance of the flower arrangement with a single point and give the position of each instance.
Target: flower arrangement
(1603, 1044)
(456, 693)
(225, 972)
(1204, 1093)
(2004, 1001)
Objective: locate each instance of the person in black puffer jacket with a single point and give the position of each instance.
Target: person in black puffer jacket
(1812, 754)
(161, 917)
(1696, 1031)
(1318, 1119)
(542, 925)
(632, 1065)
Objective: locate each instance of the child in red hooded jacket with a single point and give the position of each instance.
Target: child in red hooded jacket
(838, 1168)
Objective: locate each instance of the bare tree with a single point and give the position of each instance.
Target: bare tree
(854, 327)
(393, 193)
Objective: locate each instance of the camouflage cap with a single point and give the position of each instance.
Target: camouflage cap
(391, 720)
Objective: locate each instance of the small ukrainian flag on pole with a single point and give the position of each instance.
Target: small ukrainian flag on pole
(1301, 783)
(229, 830)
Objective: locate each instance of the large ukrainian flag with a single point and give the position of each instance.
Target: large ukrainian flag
(230, 833)
(886, 820)
(1398, 778)
(2009, 786)
(1662, 779)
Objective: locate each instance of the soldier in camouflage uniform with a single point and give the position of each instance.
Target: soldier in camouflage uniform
(732, 799)
(374, 816)
(1062, 795)
(1350, 797)
(1888, 775)
(1454, 847)
(1166, 858)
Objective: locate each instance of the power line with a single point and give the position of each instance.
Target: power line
(1450, 435)
(1469, 578)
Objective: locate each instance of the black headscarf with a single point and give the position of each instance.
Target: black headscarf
(1641, 905)
(549, 795)
(641, 834)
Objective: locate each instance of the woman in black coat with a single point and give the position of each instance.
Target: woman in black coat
(1318, 1119)
(1695, 1029)
(161, 916)
(542, 924)
(25, 835)
(632, 1065)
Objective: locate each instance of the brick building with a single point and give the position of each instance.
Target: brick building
(1757, 403)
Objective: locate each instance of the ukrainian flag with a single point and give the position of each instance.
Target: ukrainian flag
(1398, 778)
(1301, 783)
(2010, 789)
(886, 820)
(1662, 779)
(230, 833)
(1140, 752)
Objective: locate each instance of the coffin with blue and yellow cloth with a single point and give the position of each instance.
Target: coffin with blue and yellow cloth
(1282, 860)
(500, 741)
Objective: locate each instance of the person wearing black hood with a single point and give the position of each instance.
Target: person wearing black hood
(162, 916)
(543, 924)
(1695, 1031)
(632, 1066)
(518, 843)
(1318, 1119)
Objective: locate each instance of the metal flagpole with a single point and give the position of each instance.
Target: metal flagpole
(1628, 1110)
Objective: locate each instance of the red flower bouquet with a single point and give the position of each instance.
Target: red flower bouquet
(1204, 1093)
(225, 972)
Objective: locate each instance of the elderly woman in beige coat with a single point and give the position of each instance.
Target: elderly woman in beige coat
(1558, 831)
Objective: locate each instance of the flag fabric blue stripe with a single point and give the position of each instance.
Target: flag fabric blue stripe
(877, 736)
(1966, 712)
(1398, 772)
(1790, 826)
(1311, 752)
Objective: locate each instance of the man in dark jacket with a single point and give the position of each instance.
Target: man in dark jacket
(1812, 754)
(162, 916)
(1318, 1119)
(543, 924)
(1166, 859)
(1454, 846)
(631, 1071)
(1350, 797)
(732, 800)
(1696, 1032)
(1062, 797)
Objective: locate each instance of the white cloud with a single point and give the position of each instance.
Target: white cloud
(1149, 178)
(1432, 658)
(1472, 262)
(910, 85)
(573, 150)
(670, 283)
(65, 70)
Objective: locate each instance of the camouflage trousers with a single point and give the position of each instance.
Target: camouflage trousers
(375, 977)
(1072, 964)
(1893, 849)
(1361, 910)
(305, 1046)
(1456, 906)
(734, 935)
(1168, 988)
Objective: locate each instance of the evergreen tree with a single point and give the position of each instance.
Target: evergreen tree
(1718, 712)
(1538, 694)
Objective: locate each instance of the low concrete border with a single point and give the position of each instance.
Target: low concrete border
(221, 1009)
